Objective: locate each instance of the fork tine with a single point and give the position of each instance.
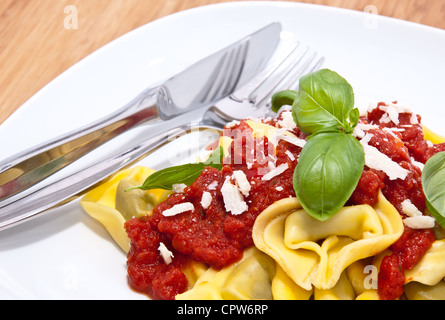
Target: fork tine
(280, 73)
(253, 99)
(299, 63)
(308, 66)
(291, 82)
(246, 92)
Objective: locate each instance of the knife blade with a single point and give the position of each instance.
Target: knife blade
(195, 87)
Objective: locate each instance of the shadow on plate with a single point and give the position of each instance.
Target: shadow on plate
(47, 225)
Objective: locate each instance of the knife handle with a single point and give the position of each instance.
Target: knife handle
(31, 166)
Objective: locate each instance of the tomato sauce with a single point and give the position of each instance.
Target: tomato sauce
(406, 253)
(404, 145)
(146, 270)
(218, 238)
(212, 235)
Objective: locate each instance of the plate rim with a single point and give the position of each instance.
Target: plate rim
(208, 7)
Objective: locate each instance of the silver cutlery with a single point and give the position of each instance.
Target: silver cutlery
(252, 99)
(200, 85)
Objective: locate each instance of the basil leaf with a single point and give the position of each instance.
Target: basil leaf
(283, 98)
(215, 159)
(433, 184)
(186, 173)
(166, 178)
(329, 168)
(325, 102)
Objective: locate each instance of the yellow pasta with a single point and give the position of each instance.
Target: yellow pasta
(342, 290)
(262, 129)
(362, 280)
(418, 291)
(431, 269)
(112, 206)
(236, 281)
(291, 238)
(368, 295)
(295, 256)
(432, 136)
(256, 276)
(284, 288)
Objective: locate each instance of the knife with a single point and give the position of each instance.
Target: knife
(200, 85)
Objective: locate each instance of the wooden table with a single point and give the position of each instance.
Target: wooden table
(35, 46)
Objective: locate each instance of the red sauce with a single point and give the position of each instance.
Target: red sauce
(401, 146)
(147, 271)
(406, 253)
(218, 238)
(211, 235)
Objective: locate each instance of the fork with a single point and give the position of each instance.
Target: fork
(283, 72)
(222, 74)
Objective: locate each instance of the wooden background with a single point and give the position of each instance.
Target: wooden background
(35, 47)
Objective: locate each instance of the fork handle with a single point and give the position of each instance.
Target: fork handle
(31, 166)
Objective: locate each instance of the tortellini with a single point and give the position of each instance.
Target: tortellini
(431, 269)
(254, 277)
(295, 257)
(418, 291)
(111, 205)
(315, 253)
(426, 280)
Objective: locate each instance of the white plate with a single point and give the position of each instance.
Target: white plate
(67, 255)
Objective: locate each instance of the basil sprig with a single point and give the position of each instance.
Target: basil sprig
(332, 161)
(325, 102)
(433, 184)
(186, 173)
(327, 173)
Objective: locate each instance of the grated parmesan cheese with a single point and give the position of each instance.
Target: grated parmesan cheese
(178, 208)
(392, 131)
(242, 182)
(166, 254)
(178, 187)
(393, 114)
(288, 122)
(206, 199)
(410, 209)
(374, 159)
(233, 199)
(293, 140)
(290, 155)
(212, 185)
(359, 130)
(232, 124)
(392, 111)
(413, 119)
(418, 164)
(420, 222)
(416, 220)
(275, 172)
(283, 134)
